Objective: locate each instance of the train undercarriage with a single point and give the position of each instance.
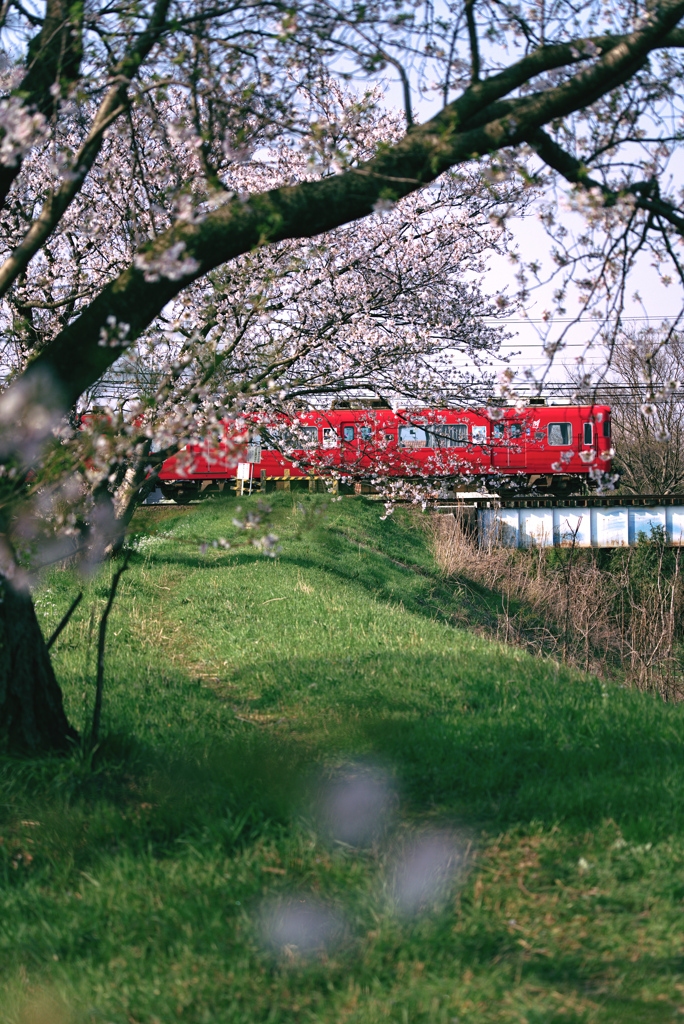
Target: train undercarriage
(555, 485)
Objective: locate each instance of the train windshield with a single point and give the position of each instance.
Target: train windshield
(560, 433)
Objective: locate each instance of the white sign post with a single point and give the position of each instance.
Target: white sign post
(244, 469)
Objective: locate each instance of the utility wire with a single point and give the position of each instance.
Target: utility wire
(578, 320)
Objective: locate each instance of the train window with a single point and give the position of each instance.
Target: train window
(308, 437)
(516, 430)
(329, 437)
(559, 433)
(479, 435)
(589, 434)
(281, 437)
(497, 431)
(348, 433)
(449, 435)
(606, 428)
(365, 433)
(412, 437)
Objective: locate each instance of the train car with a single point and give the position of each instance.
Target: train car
(546, 448)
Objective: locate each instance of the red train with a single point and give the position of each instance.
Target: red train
(551, 448)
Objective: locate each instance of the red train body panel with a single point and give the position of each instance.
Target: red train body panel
(550, 447)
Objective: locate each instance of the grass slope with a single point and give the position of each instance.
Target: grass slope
(132, 884)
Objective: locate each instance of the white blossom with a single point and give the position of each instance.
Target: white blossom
(20, 129)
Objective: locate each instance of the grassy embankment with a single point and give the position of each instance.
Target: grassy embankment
(132, 887)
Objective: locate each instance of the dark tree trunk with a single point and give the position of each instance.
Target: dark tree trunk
(32, 714)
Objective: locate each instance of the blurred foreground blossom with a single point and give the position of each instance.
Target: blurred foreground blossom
(30, 413)
(423, 871)
(356, 805)
(300, 924)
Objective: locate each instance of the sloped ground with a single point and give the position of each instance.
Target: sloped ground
(501, 839)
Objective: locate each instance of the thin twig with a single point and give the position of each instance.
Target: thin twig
(65, 618)
(99, 685)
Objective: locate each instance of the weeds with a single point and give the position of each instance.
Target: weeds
(614, 614)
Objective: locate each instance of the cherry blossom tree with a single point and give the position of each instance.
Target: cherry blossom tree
(585, 95)
(384, 311)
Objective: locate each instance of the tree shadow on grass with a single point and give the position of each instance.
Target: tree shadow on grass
(614, 984)
(476, 736)
(481, 732)
(134, 796)
(380, 575)
(495, 738)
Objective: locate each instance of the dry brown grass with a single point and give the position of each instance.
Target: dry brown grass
(623, 620)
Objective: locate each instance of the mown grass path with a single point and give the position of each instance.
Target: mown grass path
(132, 883)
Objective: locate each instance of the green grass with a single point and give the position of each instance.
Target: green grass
(133, 882)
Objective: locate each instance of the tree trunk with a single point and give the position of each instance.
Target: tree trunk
(133, 490)
(32, 714)
(139, 480)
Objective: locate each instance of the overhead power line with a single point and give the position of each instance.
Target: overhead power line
(578, 320)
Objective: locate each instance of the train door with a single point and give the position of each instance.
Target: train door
(536, 459)
(518, 432)
(364, 445)
(348, 438)
(509, 445)
(481, 457)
